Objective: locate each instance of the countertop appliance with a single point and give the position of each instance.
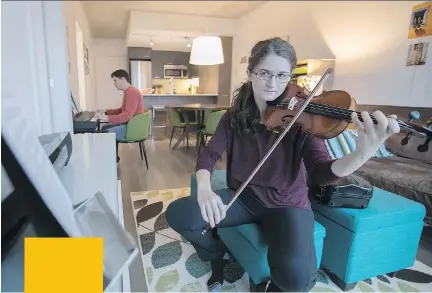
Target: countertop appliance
(175, 71)
(141, 74)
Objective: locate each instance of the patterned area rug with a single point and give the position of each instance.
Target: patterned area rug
(172, 265)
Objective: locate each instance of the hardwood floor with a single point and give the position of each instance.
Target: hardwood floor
(168, 168)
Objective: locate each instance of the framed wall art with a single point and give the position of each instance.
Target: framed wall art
(417, 54)
(421, 21)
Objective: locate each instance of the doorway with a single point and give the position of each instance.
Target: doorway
(80, 68)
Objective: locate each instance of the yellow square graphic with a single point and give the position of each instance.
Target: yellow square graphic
(63, 265)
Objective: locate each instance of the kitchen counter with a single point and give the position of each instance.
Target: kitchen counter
(178, 99)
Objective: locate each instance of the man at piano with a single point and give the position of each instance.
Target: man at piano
(132, 105)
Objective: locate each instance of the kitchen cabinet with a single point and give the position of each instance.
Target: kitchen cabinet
(161, 58)
(208, 79)
(193, 70)
(139, 53)
(224, 84)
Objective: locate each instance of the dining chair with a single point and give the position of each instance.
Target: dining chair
(178, 122)
(137, 131)
(211, 121)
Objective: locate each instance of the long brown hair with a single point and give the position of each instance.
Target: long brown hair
(245, 112)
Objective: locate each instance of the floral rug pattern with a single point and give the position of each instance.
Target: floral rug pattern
(172, 265)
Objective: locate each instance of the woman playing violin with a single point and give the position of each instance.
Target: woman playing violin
(277, 196)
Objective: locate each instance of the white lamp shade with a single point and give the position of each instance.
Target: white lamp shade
(207, 50)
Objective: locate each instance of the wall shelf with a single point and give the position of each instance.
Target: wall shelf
(313, 67)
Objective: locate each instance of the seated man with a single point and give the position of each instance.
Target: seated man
(132, 105)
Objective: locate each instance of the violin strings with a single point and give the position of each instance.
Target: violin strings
(326, 112)
(341, 111)
(329, 110)
(348, 112)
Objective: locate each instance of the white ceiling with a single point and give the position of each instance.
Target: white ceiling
(109, 19)
(162, 42)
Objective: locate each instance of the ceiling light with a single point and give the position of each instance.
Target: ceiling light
(151, 43)
(188, 43)
(206, 50)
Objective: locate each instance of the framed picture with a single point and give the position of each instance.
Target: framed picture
(86, 56)
(86, 59)
(421, 21)
(417, 54)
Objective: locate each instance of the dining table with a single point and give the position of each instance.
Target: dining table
(200, 110)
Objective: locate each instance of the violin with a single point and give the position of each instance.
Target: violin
(325, 116)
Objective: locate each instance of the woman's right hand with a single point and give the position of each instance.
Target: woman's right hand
(212, 208)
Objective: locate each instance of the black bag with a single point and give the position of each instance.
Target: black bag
(352, 192)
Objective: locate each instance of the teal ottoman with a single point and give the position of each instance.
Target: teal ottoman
(365, 243)
(248, 248)
(245, 243)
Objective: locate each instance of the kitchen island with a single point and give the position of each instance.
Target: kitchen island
(178, 99)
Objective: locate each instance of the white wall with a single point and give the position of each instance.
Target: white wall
(73, 11)
(34, 63)
(56, 52)
(369, 41)
(109, 55)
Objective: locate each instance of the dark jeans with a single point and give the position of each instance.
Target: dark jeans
(118, 128)
(287, 231)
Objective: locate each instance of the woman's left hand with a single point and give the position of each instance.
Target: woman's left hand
(370, 135)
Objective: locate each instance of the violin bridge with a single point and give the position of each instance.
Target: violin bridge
(292, 103)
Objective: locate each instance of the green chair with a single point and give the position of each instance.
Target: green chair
(137, 131)
(176, 122)
(211, 121)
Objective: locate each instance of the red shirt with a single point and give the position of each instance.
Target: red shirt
(132, 105)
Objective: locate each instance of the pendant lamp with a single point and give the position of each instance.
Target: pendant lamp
(206, 50)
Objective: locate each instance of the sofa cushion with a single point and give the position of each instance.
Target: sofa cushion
(385, 210)
(345, 143)
(252, 233)
(406, 177)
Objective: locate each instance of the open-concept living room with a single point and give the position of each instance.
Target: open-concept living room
(216, 146)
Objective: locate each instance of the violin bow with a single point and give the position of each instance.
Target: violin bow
(244, 184)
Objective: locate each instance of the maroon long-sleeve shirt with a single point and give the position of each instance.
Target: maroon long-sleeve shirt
(282, 179)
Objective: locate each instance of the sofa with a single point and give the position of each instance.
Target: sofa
(399, 169)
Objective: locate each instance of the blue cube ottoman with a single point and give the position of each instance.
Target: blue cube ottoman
(245, 242)
(246, 245)
(365, 243)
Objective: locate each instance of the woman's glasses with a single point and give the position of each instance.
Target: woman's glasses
(282, 77)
